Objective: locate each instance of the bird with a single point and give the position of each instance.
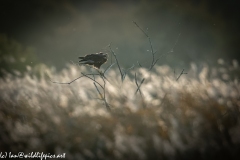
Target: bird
(96, 59)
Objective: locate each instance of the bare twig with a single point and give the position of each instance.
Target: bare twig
(151, 46)
(70, 81)
(103, 96)
(138, 85)
(66, 82)
(154, 61)
(172, 50)
(115, 56)
(125, 71)
(140, 29)
(139, 64)
(92, 80)
(108, 68)
(98, 91)
(122, 72)
(180, 75)
(129, 68)
(138, 89)
(95, 82)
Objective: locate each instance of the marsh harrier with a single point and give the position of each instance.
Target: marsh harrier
(96, 59)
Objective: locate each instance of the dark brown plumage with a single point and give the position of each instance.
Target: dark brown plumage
(96, 59)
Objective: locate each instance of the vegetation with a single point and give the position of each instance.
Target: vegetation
(194, 117)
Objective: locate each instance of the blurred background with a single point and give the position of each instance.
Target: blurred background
(56, 32)
(177, 116)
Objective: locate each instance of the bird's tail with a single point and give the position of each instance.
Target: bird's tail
(81, 59)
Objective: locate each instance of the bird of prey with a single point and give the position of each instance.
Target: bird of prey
(96, 59)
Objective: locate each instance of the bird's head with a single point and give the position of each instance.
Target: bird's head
(103, 53)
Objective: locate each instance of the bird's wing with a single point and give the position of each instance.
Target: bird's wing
(86, 62)
(94, 59)
(85, 58)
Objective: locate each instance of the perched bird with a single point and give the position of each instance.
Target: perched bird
(96, 59)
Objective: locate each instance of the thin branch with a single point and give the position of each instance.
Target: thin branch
(108, 68)
(139, 64)
(140, 29)
(130, 68)
(102, 75)
(156, 61)
(138, 89)
(150, 42)
(151, 46)
(98, 91)
(104, 94)
(111, 58)
(92, 80)
(135, 76)
(176, 42)
(107, 105)
(125, 71)
(104, 85)
(138, 85)
(180, 75)
(172, 50)
(66, 82)
(115, 56)
(103, 97)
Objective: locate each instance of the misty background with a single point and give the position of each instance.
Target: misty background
(56, 32)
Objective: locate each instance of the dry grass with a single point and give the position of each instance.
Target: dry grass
(198, 119)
